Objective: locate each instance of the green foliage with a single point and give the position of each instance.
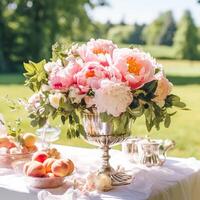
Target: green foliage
(28, 28)
(186, 38)
(161, 30)
(126, 34)
(35, 75)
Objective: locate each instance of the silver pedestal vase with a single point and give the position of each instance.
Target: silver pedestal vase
(105, 135)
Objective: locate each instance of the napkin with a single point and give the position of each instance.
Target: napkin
(71, 194)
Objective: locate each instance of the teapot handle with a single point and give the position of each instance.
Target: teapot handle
(168, 145)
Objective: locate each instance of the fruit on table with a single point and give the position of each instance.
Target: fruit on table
(29, 139)
(48, 163)
(40, 156)
(35, 169)
(71, 165)
(26, 166)
(53, 153)
(4, 142)
(32, 149)
(60, 168)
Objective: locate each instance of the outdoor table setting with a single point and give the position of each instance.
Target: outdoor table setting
(97, 91)
(178, 178)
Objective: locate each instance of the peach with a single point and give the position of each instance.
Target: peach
(35, 169)
(48, 163)
(25, 149)
(29, 139)
(32, 149)
(40, 156)
(60, 168)
(11, 145)
(26, 166)
(71, 165)
(4, 142)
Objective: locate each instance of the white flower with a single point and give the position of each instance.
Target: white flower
(34, 101)
(55, 99)
(163, 89)
(113, 98)
(89, 101)
(52, 66)
(74, 95)
(45, 88)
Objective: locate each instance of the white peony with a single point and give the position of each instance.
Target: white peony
(74, 95)
(112, 97)
(45, 88)
(34, 101)
(53, 66)
(55, 99)
(89, 101)
(163, 89)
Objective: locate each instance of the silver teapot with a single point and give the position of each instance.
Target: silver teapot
(148, 152)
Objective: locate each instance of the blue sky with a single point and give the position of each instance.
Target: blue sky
(144, 11)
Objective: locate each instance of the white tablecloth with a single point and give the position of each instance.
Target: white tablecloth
(177, 179)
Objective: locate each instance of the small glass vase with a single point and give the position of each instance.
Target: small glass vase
(48, 134)
(105, 135)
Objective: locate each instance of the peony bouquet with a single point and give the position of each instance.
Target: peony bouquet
(117, 83)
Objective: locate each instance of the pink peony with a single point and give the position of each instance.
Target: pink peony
(163, 89)
(97, 50)
(62, 80)
(90, 76)
(112, 97)
(137, 67)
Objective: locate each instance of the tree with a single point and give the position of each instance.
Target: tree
(28, 28)
(126, 34)
(161, 30)
(186, 38)
(168, 29)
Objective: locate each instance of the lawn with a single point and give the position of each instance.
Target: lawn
(185, 129)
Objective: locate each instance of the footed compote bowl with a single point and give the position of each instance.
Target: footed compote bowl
(105, 135)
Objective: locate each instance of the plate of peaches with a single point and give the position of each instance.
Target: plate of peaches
(44, 172)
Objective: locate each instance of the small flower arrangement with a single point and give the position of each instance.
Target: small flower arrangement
(117, 83)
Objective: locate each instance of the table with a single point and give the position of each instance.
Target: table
(177, 179)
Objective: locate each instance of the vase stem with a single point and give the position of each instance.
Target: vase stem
(106, 157)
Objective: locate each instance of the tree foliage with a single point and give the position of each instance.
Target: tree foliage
(186, 38)
(161, 30)
(28, 28)
(126, 34)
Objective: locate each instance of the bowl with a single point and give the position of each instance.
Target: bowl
(44, 182)
(11, 160)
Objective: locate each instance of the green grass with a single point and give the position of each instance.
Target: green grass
(185, 129)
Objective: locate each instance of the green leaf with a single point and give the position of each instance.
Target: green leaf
(63, 119)
(34, 123)
(105, 117)
(42, 122)
(150, 87)
(179, 104)
(167, 121)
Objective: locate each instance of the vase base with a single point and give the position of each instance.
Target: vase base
(121, 178)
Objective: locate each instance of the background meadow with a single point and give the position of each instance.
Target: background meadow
(29, 28)
(184, 129)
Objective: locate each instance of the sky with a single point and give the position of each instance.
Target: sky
(143, 11)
